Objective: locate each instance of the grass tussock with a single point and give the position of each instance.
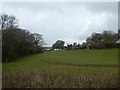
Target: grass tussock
(53, 80)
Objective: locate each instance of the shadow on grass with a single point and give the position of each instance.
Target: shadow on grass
(82, 65)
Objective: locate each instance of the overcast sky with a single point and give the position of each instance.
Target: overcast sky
(70, 22)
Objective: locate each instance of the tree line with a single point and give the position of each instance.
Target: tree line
(106, 39)
(17, 42)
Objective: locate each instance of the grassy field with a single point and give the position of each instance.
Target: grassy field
(74, 65)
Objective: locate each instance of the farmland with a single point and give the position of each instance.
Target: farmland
(81, 68)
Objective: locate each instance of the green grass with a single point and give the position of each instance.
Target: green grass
(51, 70)
(34, 63)
(108, 56)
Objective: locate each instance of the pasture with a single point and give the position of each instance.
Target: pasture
(79, 68)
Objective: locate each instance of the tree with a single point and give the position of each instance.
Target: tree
(84, 45)
(118, 33)
(109, 39)
(17, 42)
(69, 47)
(118, 39)
(8, 21)
(75, 46)
(106, 39)
(59, 44)
(79, 46)
(94, 41)
(38, 40)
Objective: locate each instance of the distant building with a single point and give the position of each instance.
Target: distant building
(47, 48)
(118, 41)
(56, 49)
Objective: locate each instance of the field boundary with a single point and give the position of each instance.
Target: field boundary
(81, 65)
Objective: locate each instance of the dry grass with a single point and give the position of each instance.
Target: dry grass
(54, 80)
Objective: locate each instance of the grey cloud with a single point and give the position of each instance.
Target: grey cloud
(71, 22)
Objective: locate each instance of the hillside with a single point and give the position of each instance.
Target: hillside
(92, 64)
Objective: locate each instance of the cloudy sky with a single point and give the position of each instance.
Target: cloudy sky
(70, 22)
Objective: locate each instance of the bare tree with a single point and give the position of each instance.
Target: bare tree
(38, 40)
(8, 21)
